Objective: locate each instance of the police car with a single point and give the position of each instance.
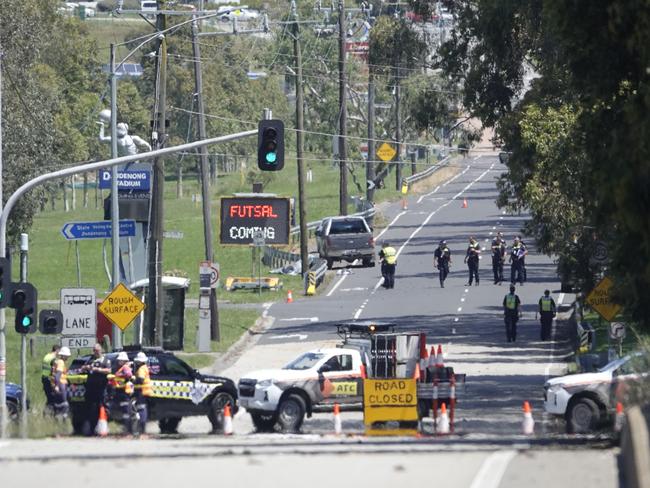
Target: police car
(178, 391)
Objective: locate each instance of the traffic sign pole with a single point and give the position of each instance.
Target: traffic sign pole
(24, 248)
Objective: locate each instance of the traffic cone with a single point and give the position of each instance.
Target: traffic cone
(432, 358)
(405, 205)
(620, 417)
(424, 363)
(440, 363)
(338, 427)
(528, 424)
(101, 429)
(464, 203)
(443, 421)
(227, 420)
(289, 297)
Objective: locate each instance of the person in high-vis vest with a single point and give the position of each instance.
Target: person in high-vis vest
(388, 258)
(59, 379)
(547, 312)
(143, 389)
(123, 387)
(46, 371)
(511, 313)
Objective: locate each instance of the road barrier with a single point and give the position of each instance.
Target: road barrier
(409, 180)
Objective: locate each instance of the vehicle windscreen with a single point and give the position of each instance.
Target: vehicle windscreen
(306, 361)
(614, 364)
(348, 226)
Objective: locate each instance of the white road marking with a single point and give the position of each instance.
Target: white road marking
(460, 309)
(456, 319)
(492, 470)
(300, 319)
(494, 228)
(266, 308)
(301, 337)
(336, 285)
(491, 232)
(466, 290)
(501, 217)
(358, 288)
(391, 223)
(462, 299)
(428, 194)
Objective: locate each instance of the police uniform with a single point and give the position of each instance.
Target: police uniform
(546, 313)
(442, 256)
(143, 390)
(388, 256)
(473, 251)
(498, 257)
(516, 269)
(511, 304)
(95, 390)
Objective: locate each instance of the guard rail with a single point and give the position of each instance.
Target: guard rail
(409, 180)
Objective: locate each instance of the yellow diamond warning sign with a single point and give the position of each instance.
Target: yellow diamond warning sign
(599, 299)
(121, 306)
(386, 152)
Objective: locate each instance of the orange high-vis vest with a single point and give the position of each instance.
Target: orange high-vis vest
(143, 380)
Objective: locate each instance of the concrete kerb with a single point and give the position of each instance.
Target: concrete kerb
(634, 460)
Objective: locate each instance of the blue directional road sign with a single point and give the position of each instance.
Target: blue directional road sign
(96, 230)
(137, 179)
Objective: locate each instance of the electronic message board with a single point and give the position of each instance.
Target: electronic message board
(244, 217)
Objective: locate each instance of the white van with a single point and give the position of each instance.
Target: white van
(147, 6)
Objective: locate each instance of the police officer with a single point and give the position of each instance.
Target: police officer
(388, 258)
(46, 371)
(123, 387)
(498, 257)
(471, 258)
(98, 369)
(516, 253)
(547, 312)
(511, 313)
(442, 259)
(143, 389)
(523, 252)
(59, 378)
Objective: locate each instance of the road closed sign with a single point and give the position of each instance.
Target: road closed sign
(386, 400)
(244, 219)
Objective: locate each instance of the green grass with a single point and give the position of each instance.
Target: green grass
(632, 341)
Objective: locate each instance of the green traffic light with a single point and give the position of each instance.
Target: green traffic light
(27, 321)
(271, 157)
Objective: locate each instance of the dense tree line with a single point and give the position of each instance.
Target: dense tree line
(579, 137)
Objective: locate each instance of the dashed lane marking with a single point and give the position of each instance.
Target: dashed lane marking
(300, 319)
(492, 470)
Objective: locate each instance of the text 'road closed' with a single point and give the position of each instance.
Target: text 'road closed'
(389, 400)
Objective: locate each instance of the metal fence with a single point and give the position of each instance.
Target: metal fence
(409, 180)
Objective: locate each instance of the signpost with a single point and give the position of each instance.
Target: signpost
(79, 311)
(244, 217)
(208, 279)
(96, 230)
(599, 299)
(126, 180)
(386, 152)
(121, 306)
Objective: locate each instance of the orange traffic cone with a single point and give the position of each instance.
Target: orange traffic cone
(440, 363)
(528, 424)
(620, 417)
(443, 421)
(432, 358)
(289, 297)
(464, 203)
(405, 205)
(101, 429)
(227, 420)
(338, 427)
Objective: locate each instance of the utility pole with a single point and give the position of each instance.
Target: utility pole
(370, 164)
(300, 125)
(156, 296)
(215, 332)
(343, 115)
(398, 132)
(3, 344)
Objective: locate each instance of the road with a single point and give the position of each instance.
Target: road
(487, 449)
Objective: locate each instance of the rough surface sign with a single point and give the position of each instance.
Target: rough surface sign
(386, 152)
(121, 307)
(388, 400)
(599, 299)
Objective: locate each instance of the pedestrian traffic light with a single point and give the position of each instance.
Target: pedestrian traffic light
(5, 282)
(270, 145)
(23, 300)
(50, 322)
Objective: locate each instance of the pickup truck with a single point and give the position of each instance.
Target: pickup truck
(587, 401)
(317, 379)
(345, 239)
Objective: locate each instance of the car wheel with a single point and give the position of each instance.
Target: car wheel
(169, 425)
(330, 263)
(263, 422)
(12, 410)
(368, 263)
(583, 416)
(291, 413)
(215, 415)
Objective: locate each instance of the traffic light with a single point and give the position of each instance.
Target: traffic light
(50, 322)
(5, 282)
(270, 145)
(23, 299)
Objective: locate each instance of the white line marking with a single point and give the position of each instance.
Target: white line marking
(494, 228)
(460, 309)
(336, 285)
(500, 217)
(358, 288)
(357, 313)
(428, 194)
(466, 290)
(456, 319)
(491, 232)
(300, 319)
(462, 299)
(391, 223)
(492, 470)
(301, 337)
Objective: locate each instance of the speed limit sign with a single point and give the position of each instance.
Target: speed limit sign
(209, 274)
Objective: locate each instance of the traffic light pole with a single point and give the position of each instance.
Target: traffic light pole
(55, 175)
(24, 248)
